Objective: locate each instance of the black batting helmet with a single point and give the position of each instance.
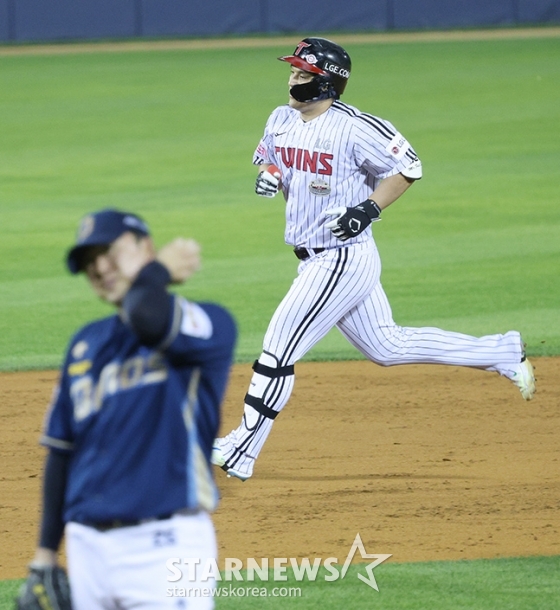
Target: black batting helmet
(328, 61)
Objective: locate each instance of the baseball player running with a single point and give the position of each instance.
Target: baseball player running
(130, 428)
(338, 169)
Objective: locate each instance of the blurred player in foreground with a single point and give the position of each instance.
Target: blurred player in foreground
(338, 169)
(131, 425)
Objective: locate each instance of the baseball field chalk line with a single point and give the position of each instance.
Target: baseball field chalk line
(273, 41)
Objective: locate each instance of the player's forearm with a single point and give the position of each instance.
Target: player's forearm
(54, 491)
(390, 189)
(148, 306)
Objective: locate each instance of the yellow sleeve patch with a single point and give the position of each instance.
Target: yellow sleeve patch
(79, 368)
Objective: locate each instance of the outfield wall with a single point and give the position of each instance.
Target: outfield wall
(50, 20)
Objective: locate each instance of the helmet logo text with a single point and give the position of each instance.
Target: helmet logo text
(334, 69)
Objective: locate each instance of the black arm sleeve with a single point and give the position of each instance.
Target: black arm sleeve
(54, 490)
(148, 307)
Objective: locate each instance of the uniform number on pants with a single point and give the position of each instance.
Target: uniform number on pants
(164, 538)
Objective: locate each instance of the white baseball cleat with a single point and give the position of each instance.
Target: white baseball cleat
(524, 379)
(218, 459)
(238, 475)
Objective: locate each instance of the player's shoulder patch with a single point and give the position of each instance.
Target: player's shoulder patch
(195, 321)
(398, 146)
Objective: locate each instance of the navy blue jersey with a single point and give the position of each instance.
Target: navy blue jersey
(139, 421)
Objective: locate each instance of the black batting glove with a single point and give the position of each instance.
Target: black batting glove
(350, 222)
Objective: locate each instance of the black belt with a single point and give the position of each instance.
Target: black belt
(305, 253)
(103, 526)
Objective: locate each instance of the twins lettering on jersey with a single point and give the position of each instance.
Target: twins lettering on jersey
(87, 396)
(305, 160)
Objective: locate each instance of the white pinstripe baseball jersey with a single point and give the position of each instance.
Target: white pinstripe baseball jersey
(336, 159)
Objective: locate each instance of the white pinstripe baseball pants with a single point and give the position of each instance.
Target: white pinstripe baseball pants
(340, 287)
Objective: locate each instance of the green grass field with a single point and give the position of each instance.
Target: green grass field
(501, 584)
(473, 247)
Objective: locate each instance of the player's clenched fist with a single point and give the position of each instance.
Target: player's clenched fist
(350, 222)
(181, 257)
(268, 182)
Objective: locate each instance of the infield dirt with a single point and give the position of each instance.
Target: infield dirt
(425, 462)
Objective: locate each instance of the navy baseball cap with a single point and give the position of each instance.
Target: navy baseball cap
(102, 228)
